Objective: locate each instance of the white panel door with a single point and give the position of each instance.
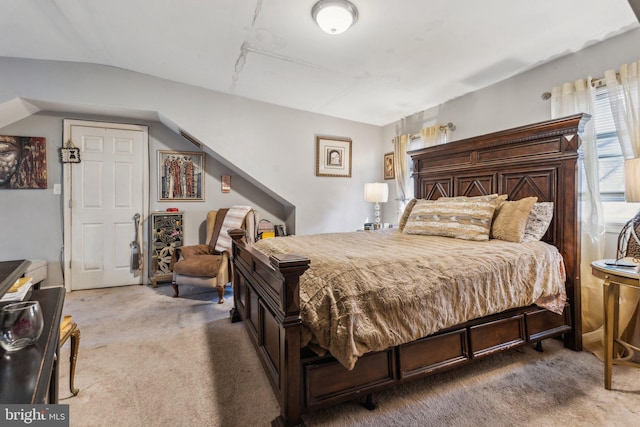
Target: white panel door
(107, 191)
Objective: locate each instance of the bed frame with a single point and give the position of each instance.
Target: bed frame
(535, 160)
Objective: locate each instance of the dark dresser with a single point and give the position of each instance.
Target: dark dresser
(30, 375)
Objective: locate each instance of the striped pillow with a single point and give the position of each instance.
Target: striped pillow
(462, 218)
(406, 213)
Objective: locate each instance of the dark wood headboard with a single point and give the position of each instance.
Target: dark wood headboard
(534, 160)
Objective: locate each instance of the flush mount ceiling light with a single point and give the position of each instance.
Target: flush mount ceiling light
(334, 16)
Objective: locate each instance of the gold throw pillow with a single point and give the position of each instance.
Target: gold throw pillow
(511, 219)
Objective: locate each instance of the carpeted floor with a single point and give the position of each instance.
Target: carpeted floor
(147, 359)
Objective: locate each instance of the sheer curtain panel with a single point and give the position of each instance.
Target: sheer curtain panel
(401, 171)
(430, 135)
(572, 98)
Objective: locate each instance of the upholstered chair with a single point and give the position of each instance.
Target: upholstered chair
(209, 265)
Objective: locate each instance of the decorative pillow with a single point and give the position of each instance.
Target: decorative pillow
(468, 219)
(538, 223)
(511, 219)
(405, 214)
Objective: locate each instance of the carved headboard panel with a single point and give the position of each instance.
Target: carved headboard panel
(534, 160)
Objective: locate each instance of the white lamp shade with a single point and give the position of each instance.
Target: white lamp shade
(632, 180)
(334, 16)
(377, 192)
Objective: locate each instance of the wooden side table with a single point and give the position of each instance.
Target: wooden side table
(614, 277)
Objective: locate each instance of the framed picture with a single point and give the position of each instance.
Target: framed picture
(333, 156)
(388, 166)
(180, 176)
(23, 162)
(69, 153)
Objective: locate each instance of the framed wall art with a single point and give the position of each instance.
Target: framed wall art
(23, 162)
(388, 166)
(180, 176)
(69, 153)
(333, 156)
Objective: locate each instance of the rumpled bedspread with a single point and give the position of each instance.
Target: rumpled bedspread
(366, 291)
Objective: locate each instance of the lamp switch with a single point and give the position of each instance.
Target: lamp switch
(57, 189)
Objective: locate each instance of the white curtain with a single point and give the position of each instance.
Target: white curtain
(623, 97)
(404, 190)
(431, 135)
(567, 99)
(623, 91)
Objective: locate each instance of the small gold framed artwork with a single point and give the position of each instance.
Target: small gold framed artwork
(333, 156)
(388, 166)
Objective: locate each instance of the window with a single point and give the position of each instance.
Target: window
(611, 166)
(610, 159)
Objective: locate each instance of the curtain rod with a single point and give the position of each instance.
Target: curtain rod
(596, 83)
(441, 128)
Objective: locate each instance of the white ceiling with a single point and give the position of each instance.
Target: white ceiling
(399, 58)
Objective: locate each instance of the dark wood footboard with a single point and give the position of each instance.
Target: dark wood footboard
(266, 297)
(536, 160)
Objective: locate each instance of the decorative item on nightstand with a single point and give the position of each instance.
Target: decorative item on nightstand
(628, 240)
(376, 192)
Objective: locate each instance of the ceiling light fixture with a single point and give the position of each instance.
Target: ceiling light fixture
(334, 16)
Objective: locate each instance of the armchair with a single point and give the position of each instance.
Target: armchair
(209, 265)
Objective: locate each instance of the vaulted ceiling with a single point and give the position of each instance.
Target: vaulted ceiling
(400, 57)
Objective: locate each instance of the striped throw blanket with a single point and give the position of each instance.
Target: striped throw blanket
(233, 219)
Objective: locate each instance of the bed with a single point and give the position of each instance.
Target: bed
(538, 160)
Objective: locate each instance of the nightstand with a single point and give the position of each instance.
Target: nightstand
(614, 277)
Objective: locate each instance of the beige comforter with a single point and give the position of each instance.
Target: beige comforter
(367, 291)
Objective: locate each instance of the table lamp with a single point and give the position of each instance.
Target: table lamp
(376, 192)
(628, 240)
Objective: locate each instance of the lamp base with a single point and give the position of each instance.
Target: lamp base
(377, 215)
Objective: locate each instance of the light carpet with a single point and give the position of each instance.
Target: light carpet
(147, 359)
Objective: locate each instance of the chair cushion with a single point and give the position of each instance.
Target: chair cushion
(201, 265)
